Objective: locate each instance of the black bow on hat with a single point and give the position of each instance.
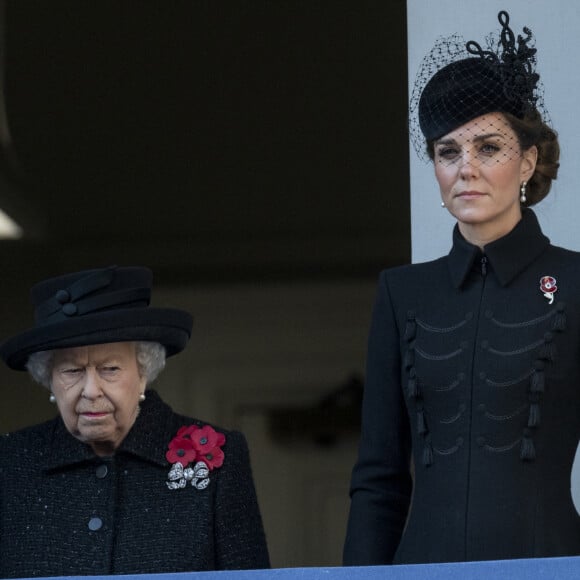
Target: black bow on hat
(487, 82)
(459, 81)
(96, 307)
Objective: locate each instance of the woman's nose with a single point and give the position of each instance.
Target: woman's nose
(92, 387)
(468, 164)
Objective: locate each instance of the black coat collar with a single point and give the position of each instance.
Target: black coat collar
(143, 440)
(507, 256)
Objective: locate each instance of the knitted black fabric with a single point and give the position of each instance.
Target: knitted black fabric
(64, 511)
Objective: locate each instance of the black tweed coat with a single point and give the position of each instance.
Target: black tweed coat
(65, 511)
(473, 379)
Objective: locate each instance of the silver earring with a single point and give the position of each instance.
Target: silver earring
(523, 197)
(442, 204)
(142, 397)
(52, 398)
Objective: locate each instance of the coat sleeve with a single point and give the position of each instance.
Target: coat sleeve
(381, 480)
(240, 540)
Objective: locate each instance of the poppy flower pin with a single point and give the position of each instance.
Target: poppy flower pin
(193, 453)
(548, 287)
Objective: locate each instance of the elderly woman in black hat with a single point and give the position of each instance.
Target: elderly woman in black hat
(118, 483)
(471, 413)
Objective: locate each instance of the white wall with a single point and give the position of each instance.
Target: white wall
(555, 25)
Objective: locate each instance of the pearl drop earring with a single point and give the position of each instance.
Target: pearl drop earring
(442, 204)
(523, 197)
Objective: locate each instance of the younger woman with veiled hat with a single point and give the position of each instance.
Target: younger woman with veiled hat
(117, 483)
(471, 413)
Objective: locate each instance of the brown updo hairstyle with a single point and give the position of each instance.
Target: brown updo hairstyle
(530, 131)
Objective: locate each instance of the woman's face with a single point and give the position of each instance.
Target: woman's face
(480, 168)
(97, 391)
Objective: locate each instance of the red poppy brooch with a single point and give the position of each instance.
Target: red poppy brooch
(548, 287)
(193, 453)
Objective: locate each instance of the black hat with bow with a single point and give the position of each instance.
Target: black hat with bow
(95, 307)
(459, 81)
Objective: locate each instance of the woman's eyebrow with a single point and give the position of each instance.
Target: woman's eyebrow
(446, 142)
(477, 138)
(488, 136)
(70, 359)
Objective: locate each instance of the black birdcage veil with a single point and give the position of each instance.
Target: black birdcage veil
(459, 81)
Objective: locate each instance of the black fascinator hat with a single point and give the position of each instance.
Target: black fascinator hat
(96, 307)
(459, 81)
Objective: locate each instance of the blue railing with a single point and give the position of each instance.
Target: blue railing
(536, 569)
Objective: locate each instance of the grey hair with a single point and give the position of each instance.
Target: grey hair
(39, 366)
(150, 360)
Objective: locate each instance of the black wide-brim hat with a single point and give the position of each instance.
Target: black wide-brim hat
(97, 307)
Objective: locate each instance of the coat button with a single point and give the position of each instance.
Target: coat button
(95, 524)
(480, 441)
(102, 471)
(62, 296)
(69, 309)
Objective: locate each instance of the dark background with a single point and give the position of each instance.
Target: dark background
(254, 154)
(209, 140)
(217, 142)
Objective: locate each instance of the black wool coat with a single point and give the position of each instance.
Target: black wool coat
(471, 413)
(64, 511)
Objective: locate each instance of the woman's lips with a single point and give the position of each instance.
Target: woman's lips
(470, 194)
(94, 414)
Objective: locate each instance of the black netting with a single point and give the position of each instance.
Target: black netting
(459, 81)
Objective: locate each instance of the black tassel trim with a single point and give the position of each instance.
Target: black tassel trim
(421, 423)
(412, 386)
(534, 416)
(548, 349)
(410, 356)
(559, 324)
(410, 327)
(538, 379)
(527, 451)
(427, 454)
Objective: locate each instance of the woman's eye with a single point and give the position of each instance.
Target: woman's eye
(490, 148)
(447, 152)
(70, 375)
